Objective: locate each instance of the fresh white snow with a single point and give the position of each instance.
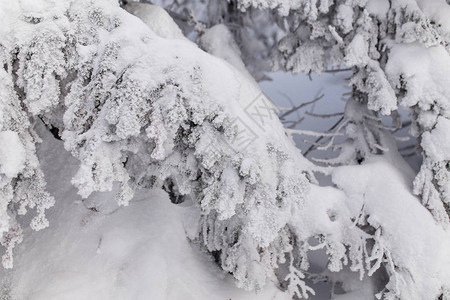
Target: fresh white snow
(367, 220)
(12, 153)
(137, 252)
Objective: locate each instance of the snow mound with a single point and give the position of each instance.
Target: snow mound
(219, 42)
(156, 18)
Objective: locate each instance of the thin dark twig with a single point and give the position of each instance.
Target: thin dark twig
(323, 115)
(410, 154)
(296, 123)
(407, 147)
(295, 108)
(404, 124)
(337, 70)
(288, 99)
(312, 147)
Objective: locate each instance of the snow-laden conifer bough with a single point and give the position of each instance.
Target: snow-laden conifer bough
(143, 108)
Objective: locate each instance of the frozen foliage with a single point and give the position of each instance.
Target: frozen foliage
(140, 107)
(378, 39)
(255, 31)
(398, 52)
(408, 278)
(399, 55)
(139, 111)
(12, 154)
(424, 86)
(22, 185)
(112, 254)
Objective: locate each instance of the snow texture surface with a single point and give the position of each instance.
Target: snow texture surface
(12, 153)
(140, 252)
